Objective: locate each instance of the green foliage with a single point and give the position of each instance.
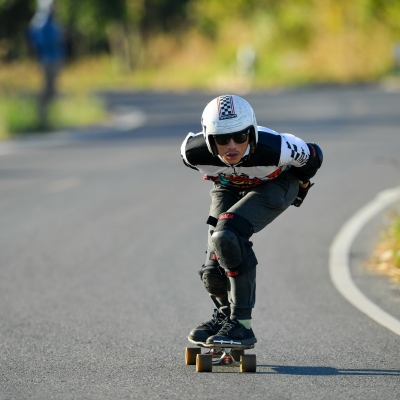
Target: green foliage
(75, 110)
(163, 15)
(294, 23)
(20, 115)
(295, 41)
(14, 19)
(90, 17)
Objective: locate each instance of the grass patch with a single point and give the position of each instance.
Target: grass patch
(386, 257)
(19, 115)
(76, 110)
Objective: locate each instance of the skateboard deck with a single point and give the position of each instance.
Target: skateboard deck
(227, 354)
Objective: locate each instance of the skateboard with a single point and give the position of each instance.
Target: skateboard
(222, 355)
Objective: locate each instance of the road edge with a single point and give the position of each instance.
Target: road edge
(123, 120)
(339, 259)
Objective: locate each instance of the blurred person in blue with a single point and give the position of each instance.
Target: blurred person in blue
(47, 38)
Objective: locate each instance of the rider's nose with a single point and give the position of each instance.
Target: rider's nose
(231, 144)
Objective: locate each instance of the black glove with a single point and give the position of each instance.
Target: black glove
(298, 201)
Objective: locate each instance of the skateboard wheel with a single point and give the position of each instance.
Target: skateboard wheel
(204, 363)
(248, 363)
(190, 355)
(236, 354)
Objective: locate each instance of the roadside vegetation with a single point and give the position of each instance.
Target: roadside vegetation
(234, 45)
(20, 84)
(19, 116)
(386, 256)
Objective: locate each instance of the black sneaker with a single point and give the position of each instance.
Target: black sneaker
(233, 333)
(209, 328)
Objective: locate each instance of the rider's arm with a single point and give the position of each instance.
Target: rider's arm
(314, 162)
(306, 172)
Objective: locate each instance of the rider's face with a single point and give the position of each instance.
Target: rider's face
(232, 152)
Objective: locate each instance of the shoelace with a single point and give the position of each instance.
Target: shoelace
(215, 320)
(227, 326)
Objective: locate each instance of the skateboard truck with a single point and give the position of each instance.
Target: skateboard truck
(225, 357)
(220, 355)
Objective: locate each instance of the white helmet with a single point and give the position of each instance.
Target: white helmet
(225, 115)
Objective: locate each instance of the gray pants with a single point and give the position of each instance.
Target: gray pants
(260, 206)
(50, 75)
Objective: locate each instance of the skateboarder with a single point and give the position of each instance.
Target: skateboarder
(257, 174)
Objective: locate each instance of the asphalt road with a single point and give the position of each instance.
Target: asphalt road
(103, 231)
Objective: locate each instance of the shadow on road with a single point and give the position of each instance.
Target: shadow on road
(302, 370)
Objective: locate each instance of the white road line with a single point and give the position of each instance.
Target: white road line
(339, 262)
(126, 119)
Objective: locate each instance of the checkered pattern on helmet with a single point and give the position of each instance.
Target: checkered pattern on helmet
(226, 107)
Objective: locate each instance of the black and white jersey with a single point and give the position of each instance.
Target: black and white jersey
(273, 154)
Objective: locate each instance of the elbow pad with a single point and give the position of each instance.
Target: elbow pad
(313, 164)
(316, 154)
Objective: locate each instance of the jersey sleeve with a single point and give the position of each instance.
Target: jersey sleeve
(183, 149)
(195, 152)
(294, 151)
(306, 157)
(184, 152)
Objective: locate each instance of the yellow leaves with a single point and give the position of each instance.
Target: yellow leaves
(386, 257)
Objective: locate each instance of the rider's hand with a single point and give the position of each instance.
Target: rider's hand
(303, 190)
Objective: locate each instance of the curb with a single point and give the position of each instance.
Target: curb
(339, 260)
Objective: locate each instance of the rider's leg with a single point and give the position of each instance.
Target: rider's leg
(222, 200)
(260, 206)
(213, 275)
(257, 208)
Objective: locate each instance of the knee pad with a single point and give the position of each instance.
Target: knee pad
(228, 248)
(232, 244)
(214, 280)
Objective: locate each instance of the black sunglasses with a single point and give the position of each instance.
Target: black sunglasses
(238, 137)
